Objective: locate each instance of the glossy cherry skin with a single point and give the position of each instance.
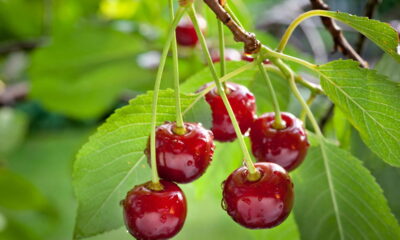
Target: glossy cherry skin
(243, 105)
(231, 54)
(151, 215)
(185, 32)
(264, 203)
(286, 147)
(182, 158)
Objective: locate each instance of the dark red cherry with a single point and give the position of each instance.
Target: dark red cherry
(151, 215)
(185, 32)
(249, 58)
(264, 203)
(243, 104)
(182, 158)
(286, 147)
(231, 54)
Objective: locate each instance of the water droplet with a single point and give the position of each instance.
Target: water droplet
(223, 204)
(189, 163)
(223, 185)
(163, 219)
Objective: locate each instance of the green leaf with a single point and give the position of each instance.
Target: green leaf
(17, 193)
(369, 101)
(389, 67)
(382, 34)
(337, 198)
(112, 162)
(83, 72)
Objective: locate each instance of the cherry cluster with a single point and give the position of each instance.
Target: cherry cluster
(159, 212)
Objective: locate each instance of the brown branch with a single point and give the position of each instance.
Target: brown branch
(370, 8)
(340, 42)
(251, 44)
(26, 45)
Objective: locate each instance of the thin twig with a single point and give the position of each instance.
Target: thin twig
(370, 8)
(340, 42)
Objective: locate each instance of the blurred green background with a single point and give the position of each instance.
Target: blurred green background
(66, 65)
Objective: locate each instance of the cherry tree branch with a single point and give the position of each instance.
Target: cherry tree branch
(370, 8)
(340, 42)
(251, 44)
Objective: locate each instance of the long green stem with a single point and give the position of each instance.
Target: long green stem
(221, 47)
(232, 14)
(309, 101)
(253, 172)
(269, 53)
(278, 123)
(180, 128)
(155, 179)
(289, 73)
(289, 31)
(312, 87)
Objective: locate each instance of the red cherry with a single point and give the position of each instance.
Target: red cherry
(182, 158)
(249, 58)
(286, 147)
(151, 215)
(243, 105)
(185, 32)
(264, 203)
(231, 54)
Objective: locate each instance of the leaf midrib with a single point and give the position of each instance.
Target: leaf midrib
(331, 188)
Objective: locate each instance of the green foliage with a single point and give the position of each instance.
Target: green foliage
(45, 159)
(13, 127)
(83, 72)
(112, 162)
(368, 101)
(18, 193)
(389, 67)
(21, 18)
(382, 34)
(337, 198)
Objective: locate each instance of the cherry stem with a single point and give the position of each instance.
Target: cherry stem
(310, 100)
(180, 127)
(254, 174)
(221, 47)
(232, 14)
(290, 75)
(278, 123)
(222, 50)
(289, 31)
(155, 178)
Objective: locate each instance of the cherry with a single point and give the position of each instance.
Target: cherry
(185, 32)
(182, 158)
(249, 58)
(151, 214)
(231, 54)
(264, 203)
(286, 147)
(243, 105)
